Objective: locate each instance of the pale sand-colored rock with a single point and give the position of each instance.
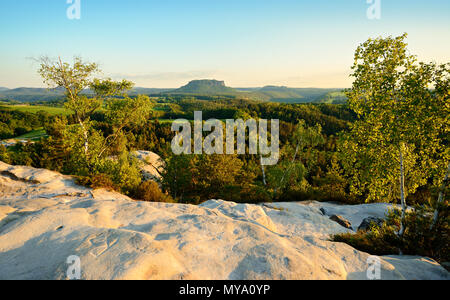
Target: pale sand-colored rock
(152, 165)
(48, 219)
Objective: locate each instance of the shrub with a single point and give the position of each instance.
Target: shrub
(255, 194)
(382, 242)
(150, 191)
(98, 181)
(102, 181)
(4, 156)
(418, 239)
(123, 171)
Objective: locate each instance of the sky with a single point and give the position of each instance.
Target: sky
(246, 43)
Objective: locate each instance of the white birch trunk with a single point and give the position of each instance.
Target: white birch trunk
(402, 193)
(441, 197)
(263, 173)
(86, 139)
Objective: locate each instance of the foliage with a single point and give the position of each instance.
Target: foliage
(4, 155)
(149, 191)
(123, 171)
(291, 171)
(98, 181)
(397, 145)
(177, 176)
(16, 123)
(418, 238)
(87, 147)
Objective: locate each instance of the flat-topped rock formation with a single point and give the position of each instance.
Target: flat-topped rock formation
(46, 218)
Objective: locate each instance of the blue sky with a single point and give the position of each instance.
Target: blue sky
(247, 43)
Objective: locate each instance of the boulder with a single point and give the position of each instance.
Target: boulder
(367, 223)
(341, 221)
(152, 165)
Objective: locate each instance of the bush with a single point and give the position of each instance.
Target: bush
(255, 194)
(418, 239)
(98, 181)
(21, 131)
(382, 242)
(4, 156)
(123, 171)
(150, 191)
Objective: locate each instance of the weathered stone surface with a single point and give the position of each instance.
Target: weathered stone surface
(42, 224)
(341, 221)
(152, 165)
(367, 223)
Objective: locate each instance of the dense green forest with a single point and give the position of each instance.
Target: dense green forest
(155, 135)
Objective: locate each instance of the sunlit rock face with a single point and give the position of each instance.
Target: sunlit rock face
(152, 165)
(46, 218)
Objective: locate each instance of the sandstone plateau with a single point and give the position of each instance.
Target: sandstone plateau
(45, 218)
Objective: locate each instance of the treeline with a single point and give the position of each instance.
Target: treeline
(332, 118)
(16, 123)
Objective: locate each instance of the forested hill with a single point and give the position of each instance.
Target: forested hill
(206, 87)
(25, 94)
(197, 88)
(284, 94)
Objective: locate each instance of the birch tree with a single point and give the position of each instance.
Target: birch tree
(86, 94)
(74, 79)
(397, 143)
(292, 169)
(379, 68)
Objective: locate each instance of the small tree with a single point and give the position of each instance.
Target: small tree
(74, 79)
(292, 169)
(177, 175)
(84, 96)
(4, 155)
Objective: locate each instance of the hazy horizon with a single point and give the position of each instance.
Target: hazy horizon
(293, 43)
(177, 87)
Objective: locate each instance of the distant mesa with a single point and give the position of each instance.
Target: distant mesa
(206, 87)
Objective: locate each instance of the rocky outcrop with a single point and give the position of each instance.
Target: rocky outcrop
(152, 165)
(369, 222)
(341, 221)
(45, 218)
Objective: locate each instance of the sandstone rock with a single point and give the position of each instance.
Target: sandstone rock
(367, 223)
(341, 221)
(118, 238)
(152, 166)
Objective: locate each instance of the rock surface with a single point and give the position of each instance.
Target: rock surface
(367, 223)
(341, 221)
(46, 218)
(152, 165)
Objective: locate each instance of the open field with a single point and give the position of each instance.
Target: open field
(33, 135)
(36, 108)
(161, 107)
